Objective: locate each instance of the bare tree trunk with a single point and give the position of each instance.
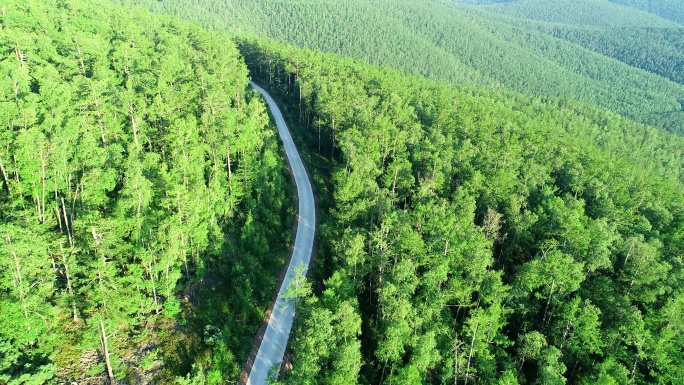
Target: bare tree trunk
(40, 217)
(134, 125)
(230, 178)
(470, 354)
(20, 56)
(548, 301)
(42, 177)
(457, 350)
(180, 221)
(102, 132)
(629, 253)
(16, 170)
(68, 279)
(300, 89)
(66, 223)
(22, 295)
(565, 334)
(137, 189)
(80, 57)
(59, 219)
(636, 361)
(105, 347)
(5, 177)
(394, 184)
(154, 286)
(332, 148)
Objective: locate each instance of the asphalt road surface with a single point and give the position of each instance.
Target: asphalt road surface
(274, 342)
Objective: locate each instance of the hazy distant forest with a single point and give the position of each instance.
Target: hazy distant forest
(500, 190)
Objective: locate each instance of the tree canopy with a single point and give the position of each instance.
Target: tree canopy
(506, 45)
(480, 237)
(138, 177)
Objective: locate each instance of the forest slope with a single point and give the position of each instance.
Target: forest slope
(479, 237)
(599, 13)
(459, 44)
(668, 9)
(616, 31)
(142, 211)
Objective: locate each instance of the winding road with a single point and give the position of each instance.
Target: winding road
(274, 342)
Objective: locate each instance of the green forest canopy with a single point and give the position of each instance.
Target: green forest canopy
(479, 237)
(142, 197)
(468, 234)
(600, 13)
(465, 44)
(668, 9)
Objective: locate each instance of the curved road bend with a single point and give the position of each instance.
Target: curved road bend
(274, 342)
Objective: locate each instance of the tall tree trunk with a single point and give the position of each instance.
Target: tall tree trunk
(40, 217)
(332, 147)
(548, 301)
(105, 348)
(66, 223)
(565, 334)
(42, 178)
(154, 286)
(230, 179)
(134, 125)
(59, 219)
(22, 295)
(68, 279)
(470, 354)
(182, 234)
(80, 57)
(457, 350)
(16, 170)
(394, 184)
(102, 132)
(5, 177)
(634, 367)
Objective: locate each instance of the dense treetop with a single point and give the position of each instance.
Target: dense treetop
(133, 165)
(601, 13)
(467, 44)
(509, 219)
(478, 237)
(668, 9)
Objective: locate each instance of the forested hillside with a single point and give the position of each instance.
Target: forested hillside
(634, 46)
(631, 36)
(508, 220)
(478, 237)
(476, 45)
(144, 206)
(600, 13)
(668, 9)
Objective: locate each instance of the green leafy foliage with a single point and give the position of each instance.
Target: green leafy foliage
(137, 173)
(480, 237)
(504, 45)
(581, 12)
(668, 9)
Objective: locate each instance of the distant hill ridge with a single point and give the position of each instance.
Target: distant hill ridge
(601, 13)
(523, 46)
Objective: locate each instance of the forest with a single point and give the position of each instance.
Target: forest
(500, 190)
(143, 207)
(506, 45)
(480, 237)
(668, 9)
